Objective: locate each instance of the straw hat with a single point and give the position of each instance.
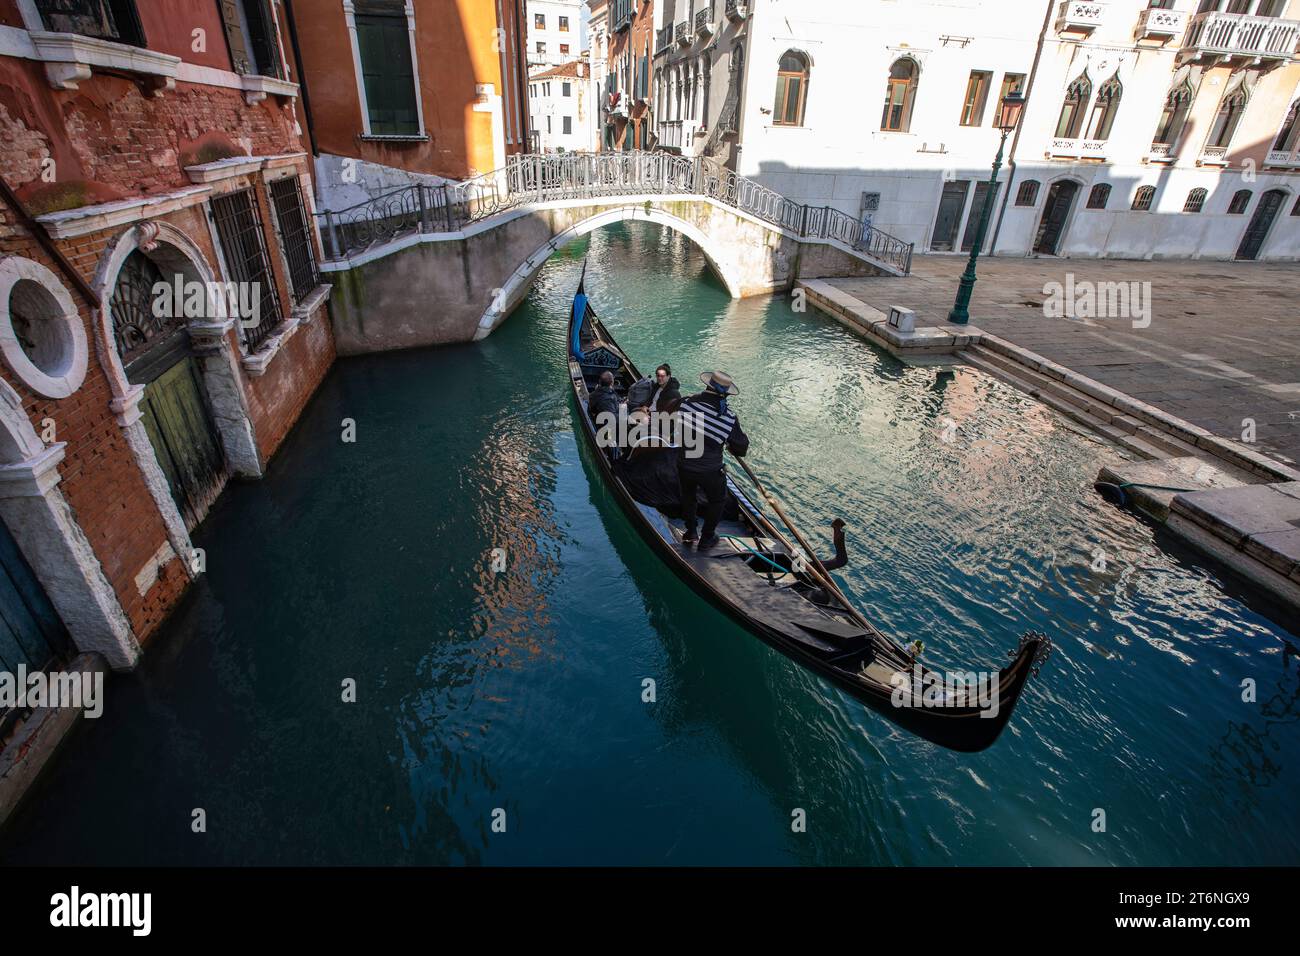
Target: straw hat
(720, 381)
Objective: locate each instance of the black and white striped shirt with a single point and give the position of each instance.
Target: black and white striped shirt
(702, 416)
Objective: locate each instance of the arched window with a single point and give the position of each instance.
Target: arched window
(1027, 195)
(1240, 200)
(1289, 135)
(1231, 107)
(1099, 196)
(1104, 108)
(1295, 210)
(791, 89)
(900, 94)
(1195, 200)
(1143, 198)
(1072, 110)
(1174, 117)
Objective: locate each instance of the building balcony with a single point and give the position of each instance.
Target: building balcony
(704, 21)
(683, 33)
(736, 10)
(1213, 156)
(1077, 149)
(1158, 24)
(1079, 16)
(1225, 36)
(1161, 153)
(1281, 159)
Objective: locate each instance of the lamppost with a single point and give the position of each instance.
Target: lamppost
(1008, 118)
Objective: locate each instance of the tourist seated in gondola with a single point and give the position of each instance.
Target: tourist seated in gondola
(603, 407)
(668, 393)
(699, 464)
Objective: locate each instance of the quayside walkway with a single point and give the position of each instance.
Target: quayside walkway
(426, 265)
(1221, 350)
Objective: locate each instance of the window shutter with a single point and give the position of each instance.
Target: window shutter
(239, 58)
(389, 79)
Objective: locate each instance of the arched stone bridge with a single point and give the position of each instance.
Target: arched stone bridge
(430, 265)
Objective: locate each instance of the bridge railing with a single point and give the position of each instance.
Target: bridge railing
(530, 178)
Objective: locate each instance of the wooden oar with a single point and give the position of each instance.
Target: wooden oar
(820, 574)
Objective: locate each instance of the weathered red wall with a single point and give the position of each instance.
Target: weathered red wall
(110, 132)
(100, 478)
(169, 28)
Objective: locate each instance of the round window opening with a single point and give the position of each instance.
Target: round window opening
(42, 337)
(39, 328)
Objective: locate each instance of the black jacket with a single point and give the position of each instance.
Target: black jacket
(707, 404)
(668, 396)
(603, 399)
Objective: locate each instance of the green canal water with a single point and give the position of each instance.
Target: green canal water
(523, 690)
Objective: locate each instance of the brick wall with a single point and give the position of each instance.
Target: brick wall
(277, 398)
(99, 476)
(108, 131)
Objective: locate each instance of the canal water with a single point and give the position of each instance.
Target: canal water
(971, 519)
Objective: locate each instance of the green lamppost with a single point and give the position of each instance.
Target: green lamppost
(1008, 118)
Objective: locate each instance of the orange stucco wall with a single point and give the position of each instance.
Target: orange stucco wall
(456, 49)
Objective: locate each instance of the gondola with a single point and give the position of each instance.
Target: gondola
(774, 586)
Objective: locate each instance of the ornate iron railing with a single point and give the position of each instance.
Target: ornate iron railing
(531, 178)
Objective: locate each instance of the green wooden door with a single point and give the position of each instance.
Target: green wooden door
(176, 417)
(31, 633)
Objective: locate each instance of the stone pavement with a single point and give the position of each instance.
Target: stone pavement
(1222, 346)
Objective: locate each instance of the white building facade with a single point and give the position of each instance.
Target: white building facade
(560, 105)
(1164, 129)
(554, 32)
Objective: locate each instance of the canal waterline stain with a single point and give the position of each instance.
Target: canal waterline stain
(970, 519)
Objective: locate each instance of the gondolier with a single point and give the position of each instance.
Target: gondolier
(708, 424)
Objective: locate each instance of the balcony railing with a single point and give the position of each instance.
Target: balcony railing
(1161, 153)
(704, 21)
(1283, 159)
(1158, 23)
(736, 10)
(528, 179)
(1213, 156)
(1236, 34)
(1077, 148)
(1079, 16)
(683, 33)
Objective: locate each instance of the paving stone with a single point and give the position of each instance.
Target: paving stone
(1233, 514)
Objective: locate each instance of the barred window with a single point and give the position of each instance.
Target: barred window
(295, 236)
(1143, 198)
(243, 247)
(1099, 196)
(1240, 200)
(1027, 195)
(1195, 200)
